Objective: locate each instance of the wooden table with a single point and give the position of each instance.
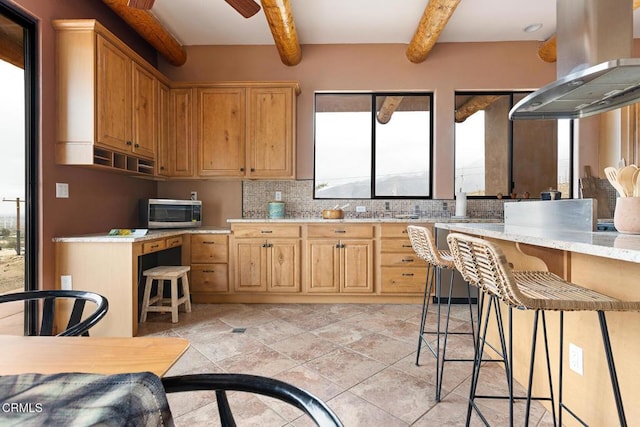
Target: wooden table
(98, 355)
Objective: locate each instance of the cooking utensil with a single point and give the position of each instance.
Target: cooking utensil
(625, 178)
(612, 175)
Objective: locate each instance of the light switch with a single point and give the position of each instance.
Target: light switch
(62, 190)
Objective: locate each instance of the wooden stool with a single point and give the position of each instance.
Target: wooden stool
(162, 273)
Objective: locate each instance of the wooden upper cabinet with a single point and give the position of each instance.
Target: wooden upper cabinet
(125, 101)
(246, 131)
(162, 131)
(221, 122)
(270, 146)
(180, 144)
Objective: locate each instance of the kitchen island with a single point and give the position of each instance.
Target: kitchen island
(608, 262)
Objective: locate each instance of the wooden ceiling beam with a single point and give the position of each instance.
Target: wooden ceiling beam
(283, 28)
(434, 19)
(548, 50)
(474, 104)
(11, 45)
(145, 24)
(389, 106)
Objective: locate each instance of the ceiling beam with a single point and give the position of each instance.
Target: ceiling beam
(145, 24)
(11, 44)
(474, 104)
(389, 106)
(434, 19)
(548, 51)
(283, 29)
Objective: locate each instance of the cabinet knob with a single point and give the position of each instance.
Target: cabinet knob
(161, 168)
(129, 143)
(136, 145)
(253, 169)
(241, 169)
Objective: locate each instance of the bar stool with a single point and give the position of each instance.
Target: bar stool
(157, 303)
(424, 245)
(485, 263)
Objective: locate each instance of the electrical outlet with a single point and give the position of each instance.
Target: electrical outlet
(575, 359)
(62, 190)
(194, 195)
(361, 209)
(278, 196)
(66, 283)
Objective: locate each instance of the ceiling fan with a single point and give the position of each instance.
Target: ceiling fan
(246, 8)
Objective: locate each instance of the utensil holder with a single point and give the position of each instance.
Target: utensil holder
(333, 214)
(626, 216)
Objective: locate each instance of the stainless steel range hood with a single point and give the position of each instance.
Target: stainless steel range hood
(592, 36)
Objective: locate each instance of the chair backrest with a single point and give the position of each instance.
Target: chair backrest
(483, 264)
(76, 325)
(424, 245)
(315, 408)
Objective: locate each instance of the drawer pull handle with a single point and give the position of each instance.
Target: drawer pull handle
(266, 231)
(404, 231)
(407, 260)
(208, 243)
(208, 271)
(340, 231)
(407, 274)
(407, 246)
(155, 246)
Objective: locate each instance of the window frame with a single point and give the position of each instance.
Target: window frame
(373, 96)
(511, 95)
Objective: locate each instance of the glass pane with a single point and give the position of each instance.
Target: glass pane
(403, 154)
(343, 146)
(482, 144)
(564, 158)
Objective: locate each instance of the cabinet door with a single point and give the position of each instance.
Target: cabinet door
(221, 132)
(323, 265)
(270, 145)
(283, 260)
(162, 157)
(180, 133)
(357, 266)
(144, 116)
(113, 96)
(251, 269)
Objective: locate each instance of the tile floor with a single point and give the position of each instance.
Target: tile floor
(359, 358)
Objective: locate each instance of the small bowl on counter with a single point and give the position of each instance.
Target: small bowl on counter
(333, 214)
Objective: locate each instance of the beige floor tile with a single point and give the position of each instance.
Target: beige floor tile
(304, 347)
(382, 348)
(273, 332)
(263, 361)
(354, 411)
(345, 367)
(344, 332)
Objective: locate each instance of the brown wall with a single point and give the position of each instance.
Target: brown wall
(97, 200)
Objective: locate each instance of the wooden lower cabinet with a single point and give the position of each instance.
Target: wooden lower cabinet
(209, 263)
(339, 265)
(401, 270)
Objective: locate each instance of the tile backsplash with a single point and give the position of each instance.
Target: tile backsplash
(299, 203)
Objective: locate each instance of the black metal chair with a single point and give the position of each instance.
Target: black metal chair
(76, 325)
(315, 408)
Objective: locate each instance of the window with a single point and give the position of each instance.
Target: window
(18, 148)
(495, 156)
(373, 145)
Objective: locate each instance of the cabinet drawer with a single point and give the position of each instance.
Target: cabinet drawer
(402, 259)
(266, 230)
(153, 246)
(341, 230)
(209, 248)
(396, 245)
(173, 242)
(403, 280)
(209, 278)
(392, 230)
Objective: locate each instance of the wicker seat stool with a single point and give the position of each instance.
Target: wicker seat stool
(485, 263)
(158, 303)
(424, 245)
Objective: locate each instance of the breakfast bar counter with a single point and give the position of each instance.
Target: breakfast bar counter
(608, 262)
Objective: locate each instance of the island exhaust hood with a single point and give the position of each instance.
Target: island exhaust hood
(595, 71)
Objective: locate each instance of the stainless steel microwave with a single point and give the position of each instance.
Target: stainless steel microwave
(169, 213)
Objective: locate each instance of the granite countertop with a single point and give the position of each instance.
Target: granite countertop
(606, 244)
(151, 234)
(359, 220)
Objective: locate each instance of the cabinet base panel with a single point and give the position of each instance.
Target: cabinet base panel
(200, 298)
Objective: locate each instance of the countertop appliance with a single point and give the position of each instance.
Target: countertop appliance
(170, 213)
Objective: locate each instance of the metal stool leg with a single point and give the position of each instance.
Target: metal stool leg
(425, 309)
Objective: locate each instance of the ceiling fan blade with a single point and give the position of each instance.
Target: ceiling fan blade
(141, 4)
(246, 8)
